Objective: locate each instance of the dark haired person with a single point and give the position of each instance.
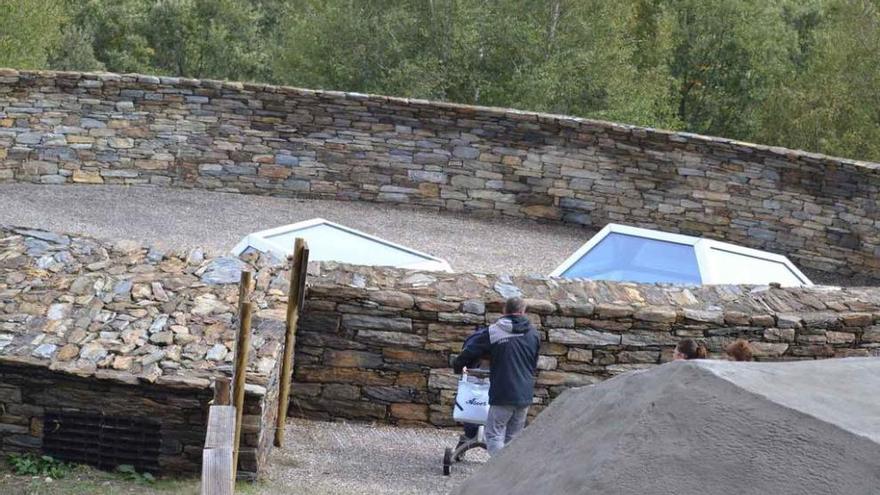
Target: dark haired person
(513, 344)
(740, 350)
(689, 349)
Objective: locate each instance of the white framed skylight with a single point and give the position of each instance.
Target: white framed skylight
(330, 241)
(632, 254)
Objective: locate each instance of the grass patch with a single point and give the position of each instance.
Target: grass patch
(18, 477)
(34, 465)
(30, 474)
(128, 473)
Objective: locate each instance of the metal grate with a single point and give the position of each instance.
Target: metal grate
(102, 441)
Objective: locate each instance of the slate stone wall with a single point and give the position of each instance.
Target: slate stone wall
(145, 130)
(376, 344)
(28, 390)
(129, 330)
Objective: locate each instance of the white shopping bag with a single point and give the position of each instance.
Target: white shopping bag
(471, 401)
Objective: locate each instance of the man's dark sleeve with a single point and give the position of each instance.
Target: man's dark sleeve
(537, 352)
(472, 351)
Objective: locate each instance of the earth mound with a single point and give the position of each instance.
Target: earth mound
(703, 427)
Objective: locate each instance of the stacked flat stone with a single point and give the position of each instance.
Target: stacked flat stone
(59, 127)
(376, 343)
(128, 311)
(131, 331)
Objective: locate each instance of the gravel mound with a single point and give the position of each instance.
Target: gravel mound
(703, 427)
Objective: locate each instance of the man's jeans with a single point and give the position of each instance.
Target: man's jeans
(503, 424)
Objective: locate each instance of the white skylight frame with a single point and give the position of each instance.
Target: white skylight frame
(710, 272)
(261, 242)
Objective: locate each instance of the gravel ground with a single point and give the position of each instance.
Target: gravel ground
(183, 218)
(318, 458)
(352, 459)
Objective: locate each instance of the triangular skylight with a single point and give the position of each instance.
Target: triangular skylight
(632, 254)
(330, 241)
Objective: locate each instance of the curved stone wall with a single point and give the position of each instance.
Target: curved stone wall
(376, 344)
(251, 138)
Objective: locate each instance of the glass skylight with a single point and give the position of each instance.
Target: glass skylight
(630, 258)
(330, 241)
(631, 254)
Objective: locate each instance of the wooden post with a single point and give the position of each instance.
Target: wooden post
(298, 273)
(221, 391)
(244, 288)
(242, 346)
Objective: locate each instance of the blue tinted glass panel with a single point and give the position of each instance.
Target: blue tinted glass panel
(629, 258)
(329, 243)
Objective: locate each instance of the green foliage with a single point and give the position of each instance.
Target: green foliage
(128, 473)
(560, 56)
(29, 30)
(34, 465)
(833, 105)
(799, 73)
(724, 57)
(191, 38)
(74, 51)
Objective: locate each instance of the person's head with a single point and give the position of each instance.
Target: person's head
(689, 349)
(514, 306)
(740, 350)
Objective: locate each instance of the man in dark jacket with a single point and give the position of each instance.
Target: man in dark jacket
(513, 343)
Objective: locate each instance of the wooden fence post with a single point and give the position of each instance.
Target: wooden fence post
(221, 391)
(244, 289)
(242, 347)
(298, 273)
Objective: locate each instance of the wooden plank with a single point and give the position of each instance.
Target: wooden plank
(304, 273)
(218, 473)
(297, 279)
(221, 391)
(218, 478)
(221, 427)
(242, 347)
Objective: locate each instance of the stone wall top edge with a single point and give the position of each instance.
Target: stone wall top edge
(172, 290)
(358, 282)
(470, 110)
(176, 382)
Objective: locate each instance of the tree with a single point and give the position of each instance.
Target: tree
(561, 56)
(118, 31)
(206, 38)
(192, 38)
(74, 51)
(29, 30)
(833, 106)
(725, 57)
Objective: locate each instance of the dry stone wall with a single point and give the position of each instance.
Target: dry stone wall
(128, 330)
(144, 130)
(29, 391)
(376, 344)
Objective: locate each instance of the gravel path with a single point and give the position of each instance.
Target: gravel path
(352, 459)
(183, 218)
(318, 458)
